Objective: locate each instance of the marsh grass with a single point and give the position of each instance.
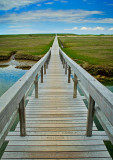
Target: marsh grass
(32, 44)
(95, 50)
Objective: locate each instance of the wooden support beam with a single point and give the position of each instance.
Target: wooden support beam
(91, 110)
(66, 68)
(42, 74)
(46, 64)
(75, 86)
(36, 86)
(63, 63)
(69, 73)
(22, 117)
(45, 68)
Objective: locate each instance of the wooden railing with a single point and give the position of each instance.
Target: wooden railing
(13, 101)
(100, 99)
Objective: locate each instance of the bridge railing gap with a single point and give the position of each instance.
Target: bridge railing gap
(12, 102)
(100, 99)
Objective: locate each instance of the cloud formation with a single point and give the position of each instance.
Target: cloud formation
(49, 3)
(110, 29)
(69, 16)
(88, 28)
(10, 4)
(92, 29)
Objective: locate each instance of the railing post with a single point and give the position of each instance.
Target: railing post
(45, 68)
(66, 68)
(48, 60)
(75, 86)
(91, 110)
(49, 56)
(69, 73)
(61, 58)
(36, 86)
(22, 117)
(63, 63)
(46, 65)
(42, 74)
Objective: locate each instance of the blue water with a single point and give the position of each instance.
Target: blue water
(8, 76)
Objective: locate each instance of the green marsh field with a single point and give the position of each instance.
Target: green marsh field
(93, 53)
(30, 46)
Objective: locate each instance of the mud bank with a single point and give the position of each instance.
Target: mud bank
(24, 67)
(28, 57)
(22, 62)
(101, 73)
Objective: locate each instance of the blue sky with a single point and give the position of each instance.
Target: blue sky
(56, 16)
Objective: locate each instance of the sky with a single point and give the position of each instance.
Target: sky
(56, 16)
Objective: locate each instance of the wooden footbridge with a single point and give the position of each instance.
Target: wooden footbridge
(56, 124)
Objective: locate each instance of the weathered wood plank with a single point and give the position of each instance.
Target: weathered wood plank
(57, 155)
(64, 133)
(35, 125)
(57, 143)
(65, 159)
(55, 148)
(55, 138)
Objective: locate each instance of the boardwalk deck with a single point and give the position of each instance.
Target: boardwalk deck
(56, 123)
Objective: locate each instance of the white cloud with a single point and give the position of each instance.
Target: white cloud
(102, 20)
(99, 28)
(92, 29)
(74, 28)
(70, 16)
(9, 4)
(110, 29)
(85, 28)
(64, 1)
(49, 3)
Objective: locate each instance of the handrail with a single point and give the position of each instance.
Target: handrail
(98, 94)
(14, 99)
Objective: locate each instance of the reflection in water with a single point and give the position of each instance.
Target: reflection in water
(8, 76)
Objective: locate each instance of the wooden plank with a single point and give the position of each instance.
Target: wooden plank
(64, 133)
(55, 148)
(57, 155)
(35, 125)
(55, 138)
(56, 143)
(42, 129)
(57, 112)
(55, 121)
(65, 159)
(57, 118)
